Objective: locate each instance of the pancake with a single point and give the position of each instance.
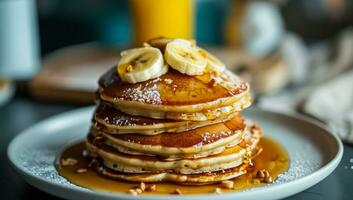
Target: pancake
(205, 153)
(229, 158)
(187, 179)
(189, 142)
(110, 120)
(185, 95)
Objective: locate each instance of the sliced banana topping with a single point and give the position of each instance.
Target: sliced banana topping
(161, 43)
(213, 63)
(183, 56)
(141, 64)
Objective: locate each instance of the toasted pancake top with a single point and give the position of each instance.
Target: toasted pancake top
(172, 88)
(196, 137)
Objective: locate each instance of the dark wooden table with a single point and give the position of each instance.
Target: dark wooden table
(21, 113)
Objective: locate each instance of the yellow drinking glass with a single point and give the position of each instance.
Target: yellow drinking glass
(162, 18)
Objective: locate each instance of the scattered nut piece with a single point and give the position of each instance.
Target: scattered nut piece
(68, 162)
(82, 170)
(133, 192)
(85, 153)
(93, 161)
(224, 76)
(145, 44)
(177, 192)
(138, 190)
(168, 81)
(266, 173)
(129, 68)
(260, 174)
(142, 186)
(227, 184)
(256, 181)
(151, 188)
(218, 191)
(268, 179)
(213, 83)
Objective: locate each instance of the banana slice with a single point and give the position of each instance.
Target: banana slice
(141, 64)
(213, 63)
(160, 42)
(184, 57)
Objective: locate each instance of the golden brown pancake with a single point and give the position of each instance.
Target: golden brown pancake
(186, 179)
(188, 142)
(229, 158)
(186, 94)
(110, 120)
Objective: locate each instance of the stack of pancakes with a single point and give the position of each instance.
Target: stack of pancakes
(176, 128)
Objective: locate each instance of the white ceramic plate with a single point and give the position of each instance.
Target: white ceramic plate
(314, 153)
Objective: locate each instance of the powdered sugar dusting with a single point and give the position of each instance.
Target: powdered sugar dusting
(145, 94)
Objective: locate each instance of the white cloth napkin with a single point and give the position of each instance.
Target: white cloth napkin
(327, 89)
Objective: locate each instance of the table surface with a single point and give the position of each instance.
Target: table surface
(21, 113)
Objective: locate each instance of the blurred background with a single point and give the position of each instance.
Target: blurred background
(297, 54)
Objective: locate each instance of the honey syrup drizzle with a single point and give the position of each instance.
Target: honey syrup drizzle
(273, 158)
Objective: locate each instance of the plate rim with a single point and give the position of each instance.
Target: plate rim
(301, 183)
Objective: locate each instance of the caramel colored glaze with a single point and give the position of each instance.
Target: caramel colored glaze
(111, 115)
(273, 158)
(199, 136)
(184, 90)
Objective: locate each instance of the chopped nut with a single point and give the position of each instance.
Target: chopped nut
(142, 186)
(213, 83)
(224, 76)
(177, 192)
(256, 181)
(266, 173)
(168, 81)
(138, 190)
(145, 44)
(268, 179)
(129, 68)
(133, 192)
(82, 170)
(218, 191)
(227, 184)
(85, 153)
(93, 161)
(151, 188)
(68, 162)
(260, 174)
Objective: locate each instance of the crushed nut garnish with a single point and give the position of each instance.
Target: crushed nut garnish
(93, 161)
(69, 162)
(142, 186)
(268, 179)
(133, 192)
(218, 191)
(256, 181)
(138, 190)
(213, 83)
(85, 153)
(145, 44)
(224, 76)
(177, 192)
(82, 170)
(227, 184)
(260, 174)
(151, 188)
(129, 68)
(168, 81)
(263, 176)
